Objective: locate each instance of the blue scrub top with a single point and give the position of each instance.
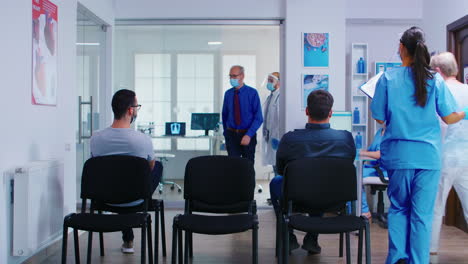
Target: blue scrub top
(412, 138)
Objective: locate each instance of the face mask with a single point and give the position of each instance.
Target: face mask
(270, 86)
(234, 82)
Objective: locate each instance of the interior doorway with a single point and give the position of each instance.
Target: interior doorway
(457, 43)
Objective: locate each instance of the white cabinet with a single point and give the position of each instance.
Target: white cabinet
(359, 101)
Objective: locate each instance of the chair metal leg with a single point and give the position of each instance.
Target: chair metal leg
(143, 244)
(341, 245)
(77, 246)
(150, 242)
(255, 244)
(359, 260)
(90, 247)
(101, 241)
(368, 246)
(186, 247)
(180, 246)
(191, 245)
(348, 248)
(156, 236)
(278, 237)
(64, 244)
(285, 231)
(163, 230)
(174, 243)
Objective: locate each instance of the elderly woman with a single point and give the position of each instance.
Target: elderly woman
(454, 159)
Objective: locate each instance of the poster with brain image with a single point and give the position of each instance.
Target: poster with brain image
(44, 53)
(316, 49)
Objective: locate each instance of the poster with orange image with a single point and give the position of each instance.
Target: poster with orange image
(44, 53)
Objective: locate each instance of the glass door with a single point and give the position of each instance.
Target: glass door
(90, 52)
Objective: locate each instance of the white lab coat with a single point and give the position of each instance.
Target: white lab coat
(454, 165)
(270, 128)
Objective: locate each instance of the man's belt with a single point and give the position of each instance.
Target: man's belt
(237, 130)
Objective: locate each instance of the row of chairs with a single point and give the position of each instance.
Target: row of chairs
(222, 186)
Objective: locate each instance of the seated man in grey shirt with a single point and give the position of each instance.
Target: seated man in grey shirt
(120, 139)
(316, 140)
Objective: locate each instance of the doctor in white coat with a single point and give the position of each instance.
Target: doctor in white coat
(271, 135)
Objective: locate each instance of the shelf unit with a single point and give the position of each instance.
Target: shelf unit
(358, 98)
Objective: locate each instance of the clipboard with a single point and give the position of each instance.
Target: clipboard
(368, 87)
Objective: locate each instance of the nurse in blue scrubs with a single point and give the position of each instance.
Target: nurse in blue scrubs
(407, 99)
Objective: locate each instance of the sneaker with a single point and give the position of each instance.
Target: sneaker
(311, 244)
(293, 244)
(127, 247)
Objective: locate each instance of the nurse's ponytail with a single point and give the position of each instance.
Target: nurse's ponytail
(413, 40)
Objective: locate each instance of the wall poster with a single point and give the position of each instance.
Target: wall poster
(44, 53)
(312, 82)
(315, 49)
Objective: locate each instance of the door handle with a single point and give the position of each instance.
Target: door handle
(81, 103)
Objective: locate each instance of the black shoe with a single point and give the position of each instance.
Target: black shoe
(311, 244)
(401, 261)
(293, 244)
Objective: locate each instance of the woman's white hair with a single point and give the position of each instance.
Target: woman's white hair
(446, 62)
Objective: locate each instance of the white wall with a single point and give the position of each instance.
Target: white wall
(202, 9)
(395, 9)
(328, 17)
(37, 132)
(436, 16)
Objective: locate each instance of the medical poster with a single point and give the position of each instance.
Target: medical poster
(316, 49)
(44, 53)
(383, 66)
(465, 74)
(312, 82)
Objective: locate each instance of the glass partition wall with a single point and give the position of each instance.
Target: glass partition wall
(177, 70)
(91, 64)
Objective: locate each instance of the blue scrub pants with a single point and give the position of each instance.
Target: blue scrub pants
(412, 194)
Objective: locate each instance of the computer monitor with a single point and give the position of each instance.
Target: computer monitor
(204, 121)
(341, 120)
(175, 129)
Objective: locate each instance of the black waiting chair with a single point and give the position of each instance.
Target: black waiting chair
(154, 205)
(317, 185)
(114, 180)
(218, 185)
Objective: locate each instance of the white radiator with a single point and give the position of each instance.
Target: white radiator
(37, 205)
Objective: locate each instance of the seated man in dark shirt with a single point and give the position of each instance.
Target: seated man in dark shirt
(316, 140)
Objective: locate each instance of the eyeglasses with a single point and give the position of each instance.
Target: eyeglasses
(137, 106)
(234, 75)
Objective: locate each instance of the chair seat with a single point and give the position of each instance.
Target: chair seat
(240, 207)
(216, 225)
(153, 205)
(372, 181)
(105, 222)
(326, 225)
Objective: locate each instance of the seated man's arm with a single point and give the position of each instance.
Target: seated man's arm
(281, 155)
(151, 164)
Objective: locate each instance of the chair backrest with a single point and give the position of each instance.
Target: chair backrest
(116, 179)
(219, 180)
(319, 184)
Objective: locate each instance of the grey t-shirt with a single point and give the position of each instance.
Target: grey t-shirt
(122, 141)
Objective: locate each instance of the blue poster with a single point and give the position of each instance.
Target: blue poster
(312, 82)
(316, 48)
